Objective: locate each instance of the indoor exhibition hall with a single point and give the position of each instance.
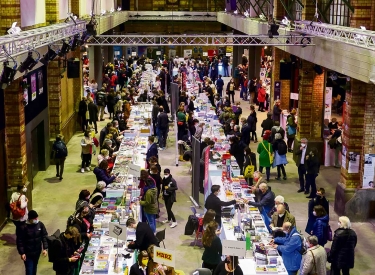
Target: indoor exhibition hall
(197, 137)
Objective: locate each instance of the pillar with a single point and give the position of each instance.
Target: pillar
(277, 56)
(110, 53)
(96, 64)
(252, 60)
(52, 11)
(10, 12)
(54, 98)
(278, 10)
(16, 162)
(363, 14)
(78, 83)
(311, 106)
(75, 7)
(308, 12)
(105, 54)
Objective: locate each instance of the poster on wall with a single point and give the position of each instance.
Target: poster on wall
(353, 166)
(262, 74)
(343, 156)
(328, 103)
(368, 171)
(188, 53)
(33, 87)
(277, 90)
(40, 82)
(25, 92)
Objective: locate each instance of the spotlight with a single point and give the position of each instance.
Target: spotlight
(119, 9)
(246, 14)
(273, 28)
(64, 49)
(235, 12)
(103, 12)
(7, 76)
(49, 56)
(262, 17)
(72, 17)
(75, 42)
(29, 62)
(285, 21)
(14, 29)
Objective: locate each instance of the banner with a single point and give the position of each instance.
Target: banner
(277, 90)
(33, 87)
(353, 166)
(234, 248)
(328, 103)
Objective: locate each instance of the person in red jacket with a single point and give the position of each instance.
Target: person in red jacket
(113, 81)
(261, 98)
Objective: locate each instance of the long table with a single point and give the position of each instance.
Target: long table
(249, 264)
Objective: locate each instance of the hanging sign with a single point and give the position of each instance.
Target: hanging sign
(328, 103)
(205, 53)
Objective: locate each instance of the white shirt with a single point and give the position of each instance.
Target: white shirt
(303, 155)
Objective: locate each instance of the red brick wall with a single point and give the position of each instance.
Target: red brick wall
(363, 14)
(277, 55)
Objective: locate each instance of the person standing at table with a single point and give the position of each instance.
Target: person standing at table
(214, 203)
(212, 247)
(229, 266)
(152, 150)
(144, 237)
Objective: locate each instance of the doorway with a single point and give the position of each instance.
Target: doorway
(37, 149)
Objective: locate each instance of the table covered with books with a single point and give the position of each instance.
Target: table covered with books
(246, 224)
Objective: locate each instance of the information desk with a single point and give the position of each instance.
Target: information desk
(257, 261)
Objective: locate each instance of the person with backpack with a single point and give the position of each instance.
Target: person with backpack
(31, 242)
(290, 248)
(101, 102)
(18, 206)
(62, 250)
(267, 124)
(60, 152)
(277, 129)
(291, 129)
(280, 149)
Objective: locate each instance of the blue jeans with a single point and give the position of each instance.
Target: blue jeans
(31, 264)
(151, 221)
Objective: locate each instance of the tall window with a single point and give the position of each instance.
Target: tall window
(339, 13)
(298, 11)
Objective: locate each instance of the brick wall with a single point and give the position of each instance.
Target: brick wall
(362, 15)
(52, 11)
(277, 55)
(10, 12)
(308, 11)
(74, 7)
(15, 135)
(54, 98)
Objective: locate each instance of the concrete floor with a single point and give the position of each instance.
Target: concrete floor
(55, 201)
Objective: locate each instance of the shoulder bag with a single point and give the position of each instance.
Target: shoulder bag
(249, 170)
(269, 152)
(17, 211)
(315, 273)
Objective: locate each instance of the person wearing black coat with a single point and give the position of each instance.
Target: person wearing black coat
(31, 242)
(191, 104)
(82, 109)
(93, 112)
(320, 199)
(245, 132)
(162, 123)
(155, 112)
(144, 236)
(276, 111)
(250, 159)
(237, 152)
(344, 242)
(169, 187)
(214, 203)
(252, 122)
(267, 124)
(312, 165)
(141, 266)
(152, 151)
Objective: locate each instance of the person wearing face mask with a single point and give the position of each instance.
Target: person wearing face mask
(344, 242)
(289, 247)
(20, 196)
(152, 150)
(278, 218)
(63, 254)
(265, 152)
(315, 259)
(337, 138)
(141, 266)
(214, 203)
(169, 187)
(320, 225)
(31, 242)
(320, 199)
(144, 237)
(229, 266)
(245, 132)
(301, 153)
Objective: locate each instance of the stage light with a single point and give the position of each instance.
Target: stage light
(119, 9)
(262, 17)
(285, 21)
(64, 49)
(7, 76)
(29, 62)
(14, 29)
(75, 42)
(49, 56)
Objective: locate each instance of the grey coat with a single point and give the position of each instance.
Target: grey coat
(307, 263)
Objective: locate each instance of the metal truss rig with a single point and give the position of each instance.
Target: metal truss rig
(360, 38)
(201, 40)
(21, 43)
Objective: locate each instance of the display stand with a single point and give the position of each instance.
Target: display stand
(196, 145)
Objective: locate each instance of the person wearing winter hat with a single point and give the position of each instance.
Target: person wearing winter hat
(265, 152)
(31, 242)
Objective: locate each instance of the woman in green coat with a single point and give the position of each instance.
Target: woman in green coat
(265, 152)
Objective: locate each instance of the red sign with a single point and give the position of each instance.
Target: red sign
(212, 53)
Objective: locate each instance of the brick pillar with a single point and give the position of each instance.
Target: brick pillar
(278, 10)
(74, 7)
(308, 11)
(15, 135)
(52, 11)
(277, 55)
(10, 12)
(362, 14)
(77, 82)
(54, 97)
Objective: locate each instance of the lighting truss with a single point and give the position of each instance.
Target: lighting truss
(171, 16)
(360, 38)
(201, 40)
(36, 38)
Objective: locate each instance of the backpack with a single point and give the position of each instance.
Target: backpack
(16, 210)
(61, 149)
(191, 225)
(303, 249)
(282, 148)
(99, 99)
(52, 254)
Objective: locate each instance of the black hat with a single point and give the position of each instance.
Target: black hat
(167, 171)
(32, 215)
